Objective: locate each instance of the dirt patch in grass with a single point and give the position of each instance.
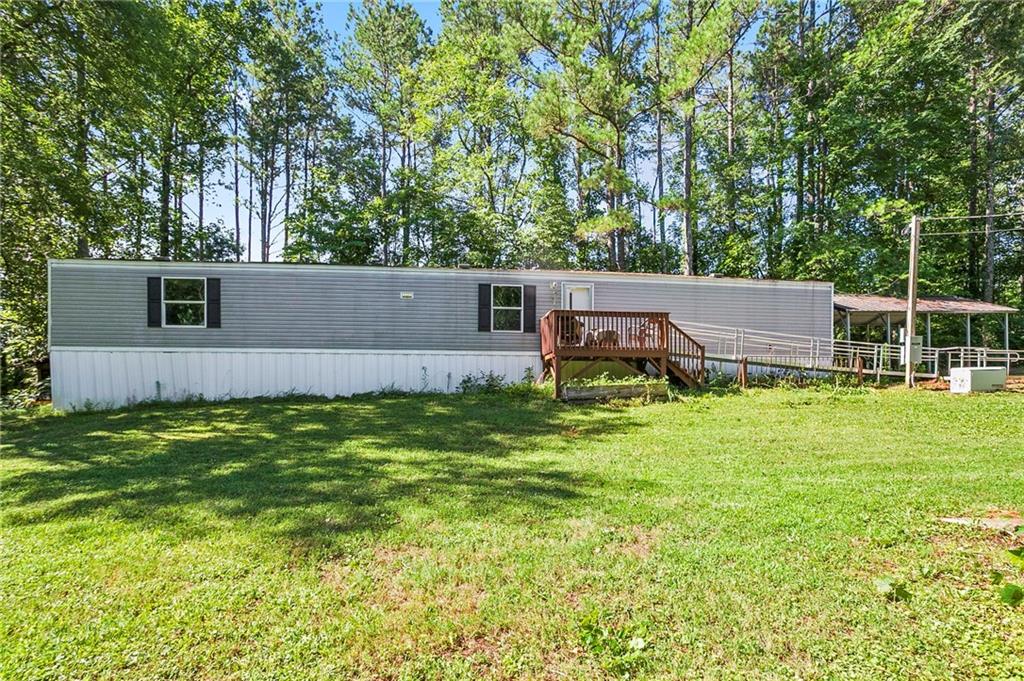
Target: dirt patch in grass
(641, 542)
(972, 543)
(481, 649)
(995, 521)
(392, 557)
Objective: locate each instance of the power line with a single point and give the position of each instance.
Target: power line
(971, 217)
(976, 231)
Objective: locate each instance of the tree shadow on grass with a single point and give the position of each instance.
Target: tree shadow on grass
(311, 471)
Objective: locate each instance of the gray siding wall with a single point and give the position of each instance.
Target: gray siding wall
(103, 304)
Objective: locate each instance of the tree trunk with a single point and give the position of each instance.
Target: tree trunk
(179, 214)
(248, 249)
(581, 193)
(403, 165)
(305, 169)
(82, 160)
(973, 251)
(164, 225)
(382, 224)
(263, 199)
(659, 163)
(800, 145)
(287, 168)
(689, 239)
(312, 163)
(620, 199)
(777, 223)
(238, 221)
(271, 174)
(140, 219)
(202, 201)
(730, 142)
(990, 197)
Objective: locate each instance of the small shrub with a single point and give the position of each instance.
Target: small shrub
(608, 379)
(483, 382)
(1011, 594)
(892, 590)
(27, 395)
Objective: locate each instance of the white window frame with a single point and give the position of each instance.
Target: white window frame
(566, 285)
(164, 301)
(502, 307)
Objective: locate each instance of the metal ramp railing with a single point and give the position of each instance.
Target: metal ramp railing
(793, 351)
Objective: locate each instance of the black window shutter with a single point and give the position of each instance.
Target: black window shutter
(213, 303)
(153, 301)
(483, 317)
(529, 309)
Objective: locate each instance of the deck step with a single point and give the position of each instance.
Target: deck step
(683, 375)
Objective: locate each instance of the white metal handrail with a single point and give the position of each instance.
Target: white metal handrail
(772, 347)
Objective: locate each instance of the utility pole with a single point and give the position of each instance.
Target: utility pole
(908, 331)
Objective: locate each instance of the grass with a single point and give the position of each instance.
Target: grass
(719, 536)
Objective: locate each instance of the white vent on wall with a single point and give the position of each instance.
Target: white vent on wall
(406, 295)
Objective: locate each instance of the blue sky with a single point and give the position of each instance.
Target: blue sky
(335, 14)
(220, 198)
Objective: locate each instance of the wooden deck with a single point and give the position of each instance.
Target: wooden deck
(636, 340)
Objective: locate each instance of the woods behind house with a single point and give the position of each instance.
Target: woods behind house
(790, 139)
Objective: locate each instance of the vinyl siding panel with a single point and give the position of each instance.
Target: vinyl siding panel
(102, 304)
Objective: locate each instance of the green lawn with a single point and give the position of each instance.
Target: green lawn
(722, 535)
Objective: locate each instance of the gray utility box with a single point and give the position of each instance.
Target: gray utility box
(915, 347)
(976, 379)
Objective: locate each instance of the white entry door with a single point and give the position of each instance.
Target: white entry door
(578, 296)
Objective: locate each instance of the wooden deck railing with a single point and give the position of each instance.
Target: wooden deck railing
(637, 340)
(685, 352)
(583, 333)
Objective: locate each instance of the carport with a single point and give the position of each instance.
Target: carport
(861, 309)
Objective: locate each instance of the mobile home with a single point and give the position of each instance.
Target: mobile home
(129, 331)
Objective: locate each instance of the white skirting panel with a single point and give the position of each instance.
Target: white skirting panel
(96, 378)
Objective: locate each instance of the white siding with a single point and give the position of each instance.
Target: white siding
(113, 377)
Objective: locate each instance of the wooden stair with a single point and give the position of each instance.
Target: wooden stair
(633, 339)
(685, 357)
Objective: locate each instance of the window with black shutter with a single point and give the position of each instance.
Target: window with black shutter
(184, 301)
(508, 308)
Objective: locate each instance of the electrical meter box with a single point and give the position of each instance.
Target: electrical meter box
(915, 345)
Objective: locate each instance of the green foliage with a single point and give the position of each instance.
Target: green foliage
(1011, 594)
(621, 650)
(892, 590)
(483, 382)
(560, 133)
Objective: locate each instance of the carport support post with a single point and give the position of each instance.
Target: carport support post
(908, 331)
(928, 328)
(968, 330)
(847, 317)
(1006, 339)
(888, 340)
